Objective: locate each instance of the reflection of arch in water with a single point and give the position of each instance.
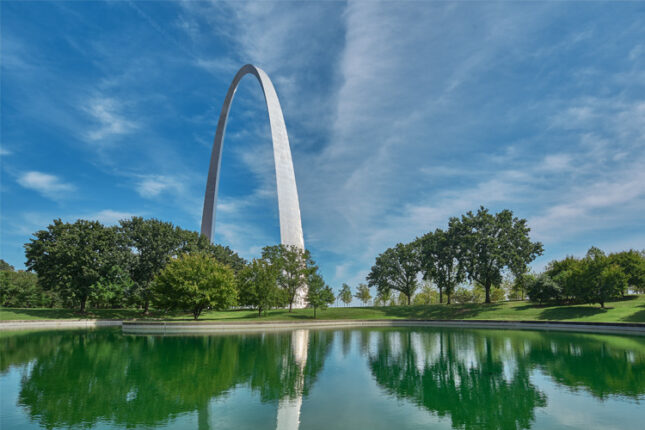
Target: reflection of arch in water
(288, 204)
(288, 408)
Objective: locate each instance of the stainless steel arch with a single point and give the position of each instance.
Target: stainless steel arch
(288, 204)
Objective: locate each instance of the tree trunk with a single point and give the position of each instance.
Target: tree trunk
(83, 301)
(487, 287)
(146, 306)
(448, 296)
(259, 312)
(314, 312)
(441, 295)
(409, 298)
(290, 305)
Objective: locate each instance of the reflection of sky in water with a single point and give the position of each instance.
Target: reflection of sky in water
(364, 378)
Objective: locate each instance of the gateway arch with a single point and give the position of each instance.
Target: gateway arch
(288, 204)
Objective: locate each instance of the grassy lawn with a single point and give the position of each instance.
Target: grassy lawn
(630, 309)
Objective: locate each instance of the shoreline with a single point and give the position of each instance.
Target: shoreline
(205, 327)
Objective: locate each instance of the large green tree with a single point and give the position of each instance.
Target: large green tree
(80, 260)
(602, 279)
(490, 243)
(294, 267)
(439, 252)
(195, 282)
(155, 242)
(346, 294)
(258, 286)
(633, 265)
(319, 295)
(397, 269)
(363, 293)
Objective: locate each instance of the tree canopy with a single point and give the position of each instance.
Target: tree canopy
(195, 282)
(80, 260)
(396, 268)
(294, 267)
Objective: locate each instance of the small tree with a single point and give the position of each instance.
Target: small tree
(542, 289)
(319, 295)
(363, 294)
(195, 282)
(346, 294)
(396, 268)
(294, 267)
(259, 288)
(384, 298)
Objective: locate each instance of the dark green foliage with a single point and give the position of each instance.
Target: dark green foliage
(632, 264)
(195, 282)
(319, 295)
(258, 287)
(80, 261)
(491, 243)
(543, 289)
(397, 269)
(439, 253)
(21, 289)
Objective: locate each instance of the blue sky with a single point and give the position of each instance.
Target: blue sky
(400, 115)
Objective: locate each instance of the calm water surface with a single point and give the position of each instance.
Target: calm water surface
(376, 378)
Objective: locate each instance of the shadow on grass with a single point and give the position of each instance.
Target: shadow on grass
(638, 316)
(40, 313)
(569, 312)
(439, 312)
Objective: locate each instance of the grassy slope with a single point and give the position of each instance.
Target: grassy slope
(631, 309)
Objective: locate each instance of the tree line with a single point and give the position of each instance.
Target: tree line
(143, 262)
(481, 248)
(477, 247)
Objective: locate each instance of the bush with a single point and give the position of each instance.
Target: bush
(543, 289)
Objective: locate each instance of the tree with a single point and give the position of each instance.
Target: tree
(346, 294)
(542, 289)
(258, 285)
(439, 253)
(363, 293)
(633, 265)
(154, 242)
(426, 296)
(602, 279)
(384, 298)
(396, 268)
(195, 282)
(319, 295)
(294, 266)
(490, 243)
(78, 260)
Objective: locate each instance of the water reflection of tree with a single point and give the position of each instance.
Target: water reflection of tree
(481, 379)
(80, 378)
(473, 389)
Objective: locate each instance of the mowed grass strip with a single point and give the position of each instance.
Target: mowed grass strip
(631, 309)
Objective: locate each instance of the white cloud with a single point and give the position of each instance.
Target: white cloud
(111, 121)
(151, 186)
(50, 186)
(4, 152)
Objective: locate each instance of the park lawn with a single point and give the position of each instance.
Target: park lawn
(629, 310)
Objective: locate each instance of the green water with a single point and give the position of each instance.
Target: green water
(377, 378)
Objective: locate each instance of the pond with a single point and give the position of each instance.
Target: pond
(371, 378)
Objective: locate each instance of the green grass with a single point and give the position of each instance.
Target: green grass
(629, 310)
